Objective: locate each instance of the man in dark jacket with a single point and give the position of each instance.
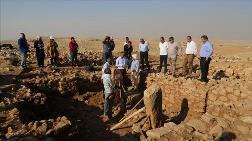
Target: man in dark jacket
(128, 50)
(24, 49)
(108, 47)
(40, 52)
(73, 47)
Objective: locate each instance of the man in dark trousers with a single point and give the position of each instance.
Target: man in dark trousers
(206, 52)
(24, 49)
(144, 49)
(40, 52)
(73, 48)
(108, 47)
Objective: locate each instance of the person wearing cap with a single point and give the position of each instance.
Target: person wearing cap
(134, 68)
(172, 54)
(108, 92)
(144, 49)
(73, 48)
(24, 49)
(122, 64)
(163, 47)
(40, 53)
(190, 53)
(205, 53)
(128, 50)
(52, 51)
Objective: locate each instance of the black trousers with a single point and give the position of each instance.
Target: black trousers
(125, 79)
(73, 55)
(204, 67)
(144, 59)
(54, 61)
(163, 60)
(106, 56)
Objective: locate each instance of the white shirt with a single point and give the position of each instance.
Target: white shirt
(163, 48)
(144, 47)
(121, 62)
(191, 48)
(105, 66)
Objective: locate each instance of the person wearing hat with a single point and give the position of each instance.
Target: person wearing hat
(73, 48)
(40, 53)
(24, 49)
(135, 65)
(52, 51)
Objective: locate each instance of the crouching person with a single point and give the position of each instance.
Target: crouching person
(108, 92)
(135, 71)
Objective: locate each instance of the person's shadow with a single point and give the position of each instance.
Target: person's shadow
(183, 112)
(226, 136)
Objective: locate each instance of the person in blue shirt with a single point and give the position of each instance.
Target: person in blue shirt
(24, 49)
(206, 52)
(144, 49)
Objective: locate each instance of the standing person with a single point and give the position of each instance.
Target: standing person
(135, 67)
(122, 64)
(107, 49)
(40, 52)
(172, 54)
(24, 49)
(206, 52)
(163, 46)
(128, 50)
(106, 65)
(52, 51)
(190, 53)
(126, 41)
(108, 92)
(112, 45)
(144, 49)
(73, 48)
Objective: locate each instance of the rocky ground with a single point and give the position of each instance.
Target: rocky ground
(66, 103)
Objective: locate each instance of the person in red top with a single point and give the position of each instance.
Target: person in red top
(73, 48)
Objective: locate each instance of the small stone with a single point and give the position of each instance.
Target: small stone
(157, 133)
(216, 131)
(198, 125)
(247, 119)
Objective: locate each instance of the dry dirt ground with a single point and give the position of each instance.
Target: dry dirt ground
(66, 103)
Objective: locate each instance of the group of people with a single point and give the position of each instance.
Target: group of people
(168, 51)
(50, 51)
(126, 62)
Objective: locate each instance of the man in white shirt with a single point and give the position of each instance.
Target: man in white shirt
(122, 64)
(163, 46)
(190, 53)
(144, 49)
(172, 54)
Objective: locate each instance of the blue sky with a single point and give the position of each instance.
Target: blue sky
(221, 19)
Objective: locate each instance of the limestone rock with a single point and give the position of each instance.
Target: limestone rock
(157, 133)
(198, 125)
